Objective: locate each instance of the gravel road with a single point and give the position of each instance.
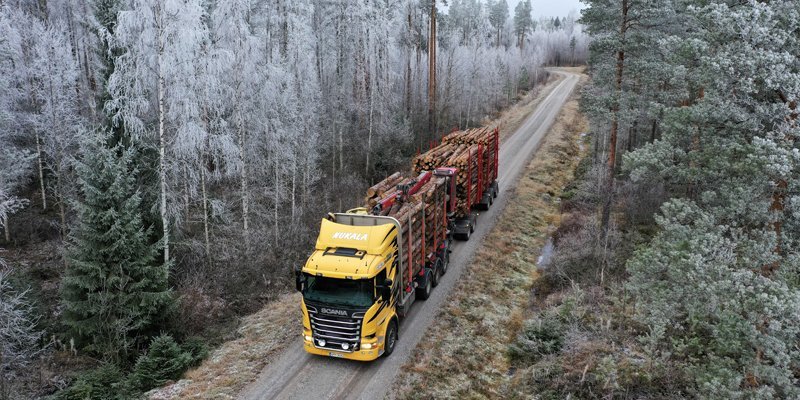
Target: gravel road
(298, 375)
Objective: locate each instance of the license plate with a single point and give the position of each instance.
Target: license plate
(335, 354)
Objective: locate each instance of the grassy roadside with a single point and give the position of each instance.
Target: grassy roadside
(466, 351)
(236, 363)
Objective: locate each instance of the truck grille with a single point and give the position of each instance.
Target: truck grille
(335, 330)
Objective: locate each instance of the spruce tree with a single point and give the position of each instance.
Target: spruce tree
(115, 288)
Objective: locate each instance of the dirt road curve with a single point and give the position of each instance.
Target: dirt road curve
(298, 375)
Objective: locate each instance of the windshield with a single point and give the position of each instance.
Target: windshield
(347, 292)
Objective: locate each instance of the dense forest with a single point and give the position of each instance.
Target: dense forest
(164, 163)
(675, 273)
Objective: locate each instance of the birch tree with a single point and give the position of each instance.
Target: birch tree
(161, 41)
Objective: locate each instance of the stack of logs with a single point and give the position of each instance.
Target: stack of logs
(483, 136)
(408, 210)
(460, 150)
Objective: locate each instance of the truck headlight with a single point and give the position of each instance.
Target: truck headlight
(321, 342)
(308, 338)
(345, 346)
(366, 346)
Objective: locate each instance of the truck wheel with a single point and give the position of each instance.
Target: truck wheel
(424, 292)
(495, 189)
(437, 273)
(391, 338)
(446, 261)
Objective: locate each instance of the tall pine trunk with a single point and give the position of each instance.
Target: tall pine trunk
(432, 71)
(612, 138)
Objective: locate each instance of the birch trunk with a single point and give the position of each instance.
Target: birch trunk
(369, 134)
(245, 202)
(294, 190)
(41, 170)
(162, 167)
(205, 209)
(277, 201)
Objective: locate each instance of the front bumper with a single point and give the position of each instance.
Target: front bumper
(358, 355)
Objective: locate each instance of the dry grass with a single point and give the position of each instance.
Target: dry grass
(465, 355)
(236, 363)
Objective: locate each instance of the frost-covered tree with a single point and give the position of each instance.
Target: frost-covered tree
(42, 105)
(115, 288)
(523, 22)
(728, 154)
(59, 122)
(14, 171)
(498, 16)
(19, 334)
(627, 66)
(151, 87)
(705, 302)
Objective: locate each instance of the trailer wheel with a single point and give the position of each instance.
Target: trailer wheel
(425, 291)
(437, 272)
(446, 261)
(391, 338)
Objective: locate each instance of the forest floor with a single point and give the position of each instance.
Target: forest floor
(260, 336)
(465, 354)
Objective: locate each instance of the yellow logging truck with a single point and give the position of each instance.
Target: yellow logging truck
(370, 264)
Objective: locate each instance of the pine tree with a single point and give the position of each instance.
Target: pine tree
(498, 15)
(115, 288)
(523, 23)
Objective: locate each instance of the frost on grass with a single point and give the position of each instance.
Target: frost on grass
(236, 363)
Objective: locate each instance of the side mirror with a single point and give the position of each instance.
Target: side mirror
(300, 281)
(386, 290)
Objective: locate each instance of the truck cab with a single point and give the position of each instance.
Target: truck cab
(349, 287)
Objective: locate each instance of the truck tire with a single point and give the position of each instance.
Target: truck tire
(437, 273)
(446, 261)
(391, 338)
(425, 291)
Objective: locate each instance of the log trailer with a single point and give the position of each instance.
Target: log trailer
(370, 264)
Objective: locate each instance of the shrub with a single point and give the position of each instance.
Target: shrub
(196, 348)
(102, 383)
(164, 361)
(539, 337)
